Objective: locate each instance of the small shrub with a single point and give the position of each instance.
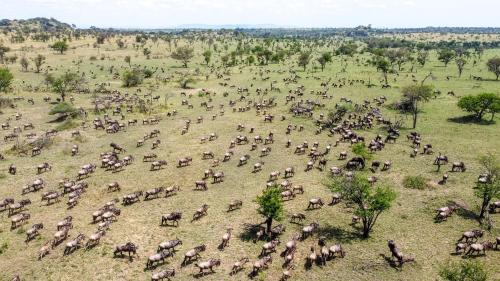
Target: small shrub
(66, 125)
(4, 247)
(465, 270)
(414, 182)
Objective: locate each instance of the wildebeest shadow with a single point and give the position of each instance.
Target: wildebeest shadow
(470, 119)
(467, 214)
(391, 262)
(339, 234)
(201, 274)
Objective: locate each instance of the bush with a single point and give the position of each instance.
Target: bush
(63, 108)
(5, 79)
(66, 125)
(414, 182)
(464, 271)
(132, 78)
(4, 247)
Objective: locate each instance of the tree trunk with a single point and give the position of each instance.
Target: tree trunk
(415, 114)
(385, 77)
(63, 95)
(484, 206)
(269, 224)
(366, 229)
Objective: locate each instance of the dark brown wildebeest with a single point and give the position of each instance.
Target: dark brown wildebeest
(174, 217)
(157, 258)
(129, 248)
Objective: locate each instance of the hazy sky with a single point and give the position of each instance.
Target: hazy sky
(299, 13)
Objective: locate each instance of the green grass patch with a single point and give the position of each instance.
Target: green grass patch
(415, 182)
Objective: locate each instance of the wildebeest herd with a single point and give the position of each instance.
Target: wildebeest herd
(212, 150)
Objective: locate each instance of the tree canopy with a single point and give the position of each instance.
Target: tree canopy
(415, 94)
(480, 104)
(464, 271)
(370, 201)
(183, 54)
(60, 46)
(493, 65)
(270, 205)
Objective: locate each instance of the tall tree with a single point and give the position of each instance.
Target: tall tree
(5, 79)
(60, 46)
(324, 59)
(445, 56)
(183, 54)
(303, 59)
(39, 60)
(270, 206)
(207, 56)
(415, 94)
(64, 83)
(383, 65)
(369, 201)
(461, 62)
(422, 57)
(493, 65)
(490, 188)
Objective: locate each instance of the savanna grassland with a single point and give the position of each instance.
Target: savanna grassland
(409, 222)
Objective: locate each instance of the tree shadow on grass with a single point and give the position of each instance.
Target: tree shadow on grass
(470, 119)
(339, 234)
(249, 232)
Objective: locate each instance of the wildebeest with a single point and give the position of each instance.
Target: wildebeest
(174, 217)
(129, 248)
(193, 254)
(157, 258)
(209, 264)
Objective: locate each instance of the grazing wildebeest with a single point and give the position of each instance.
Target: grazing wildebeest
(238, 266)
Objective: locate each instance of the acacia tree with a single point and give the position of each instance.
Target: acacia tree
(445, 56)
(460, 65)
(370, 201)
(490, 189)
(324, 59)
(480, 104)
(183, 54)
(422, 57)
(207, 56)
(493, 65)
(39, 60)
(415, 94)
(64, 83)
(270, 206)
(383, 65)
(303, 59)
(60, 46)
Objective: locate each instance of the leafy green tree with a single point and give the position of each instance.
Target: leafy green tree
(270, 206)
(5, 79)
(146, 52)
(369, 201)
(303, 59)
(120, 43)
(464, 271)
(493, 65)
(64, 83)
(461, 62)
(60, 46)
(185, 80)
(361, 150)
(183, 54)
(383, 65)
(127, 59)
(480, 104)
(490, 189)
(445, 56)
(132, 78)
(250, 60)
(347, 49)
(207, 55)
(414, 95)
(422, 57)
(324, 59)
(24, 64)
(39, 60)
(3, 51)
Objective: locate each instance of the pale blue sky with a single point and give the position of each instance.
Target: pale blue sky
(299, 13)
